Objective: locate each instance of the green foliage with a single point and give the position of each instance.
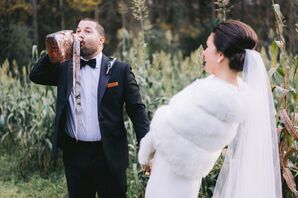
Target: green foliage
(283, 70)
(27, 113)
(15, 41)
(54, 185)
(27, 110)
(27, 117)
(84, 5)
(222, 9)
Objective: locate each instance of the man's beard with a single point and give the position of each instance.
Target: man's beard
(85, 52)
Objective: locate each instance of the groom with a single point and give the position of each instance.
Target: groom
(95, 154)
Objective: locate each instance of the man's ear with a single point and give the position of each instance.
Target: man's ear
(102, 40)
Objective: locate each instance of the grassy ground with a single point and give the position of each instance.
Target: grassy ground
(12, 184)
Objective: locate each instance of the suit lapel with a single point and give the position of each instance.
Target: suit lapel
(103, 78)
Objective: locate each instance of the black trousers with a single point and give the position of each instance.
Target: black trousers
(87, 171)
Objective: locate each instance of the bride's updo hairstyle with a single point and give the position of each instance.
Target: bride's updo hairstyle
(232, 37)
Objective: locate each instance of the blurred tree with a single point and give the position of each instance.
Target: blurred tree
(35, 22)
(84, 5)
(15, 34)
(187, 22)
(61, 6)
(289, 8)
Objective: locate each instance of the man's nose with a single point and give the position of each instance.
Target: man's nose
(80, 35)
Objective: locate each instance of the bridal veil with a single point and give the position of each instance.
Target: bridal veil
(251, 168)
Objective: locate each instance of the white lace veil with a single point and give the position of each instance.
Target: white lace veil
(251, 168)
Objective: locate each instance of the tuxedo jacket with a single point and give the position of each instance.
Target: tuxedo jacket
(111, 102)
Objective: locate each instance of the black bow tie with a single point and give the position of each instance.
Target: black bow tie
(91, 63)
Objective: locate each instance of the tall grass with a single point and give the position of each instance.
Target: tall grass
(283, 70)
(27, 113)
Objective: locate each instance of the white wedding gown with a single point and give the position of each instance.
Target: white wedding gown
(187, 136)
(164, 183)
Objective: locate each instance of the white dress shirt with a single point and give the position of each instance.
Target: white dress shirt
(89, 129)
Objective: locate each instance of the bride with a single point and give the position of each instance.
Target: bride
(187, 135)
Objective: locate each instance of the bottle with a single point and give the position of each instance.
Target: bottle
(60, 46)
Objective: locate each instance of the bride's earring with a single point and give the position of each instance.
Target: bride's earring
(218, 61)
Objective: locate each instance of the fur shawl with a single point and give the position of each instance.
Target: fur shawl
(190, 132)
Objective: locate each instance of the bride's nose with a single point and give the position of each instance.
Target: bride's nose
(203, 53)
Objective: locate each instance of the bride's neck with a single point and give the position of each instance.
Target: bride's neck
(229, 76)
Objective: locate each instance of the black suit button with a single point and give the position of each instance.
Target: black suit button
(100, 117)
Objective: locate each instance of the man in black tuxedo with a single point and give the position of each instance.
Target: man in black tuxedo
(95, 151)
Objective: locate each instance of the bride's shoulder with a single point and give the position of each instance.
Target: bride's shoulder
(208, 88)
(202, 81)
(213, 85)
(218, 97)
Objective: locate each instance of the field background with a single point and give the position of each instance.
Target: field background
(163, 41)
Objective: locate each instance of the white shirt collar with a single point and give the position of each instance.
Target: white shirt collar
(98, 58)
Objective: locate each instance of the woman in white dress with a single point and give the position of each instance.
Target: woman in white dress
(187, 135)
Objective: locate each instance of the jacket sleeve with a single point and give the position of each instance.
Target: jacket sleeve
(135, 108)
(147, 149)
(44, 72)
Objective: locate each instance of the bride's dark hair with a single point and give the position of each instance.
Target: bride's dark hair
(232, 37)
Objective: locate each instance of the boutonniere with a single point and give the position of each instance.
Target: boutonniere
(110, 65)
(112, 84)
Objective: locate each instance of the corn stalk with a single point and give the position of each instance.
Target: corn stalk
(284, 82)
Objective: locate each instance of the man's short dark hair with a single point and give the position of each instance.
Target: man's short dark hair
(98, 27)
